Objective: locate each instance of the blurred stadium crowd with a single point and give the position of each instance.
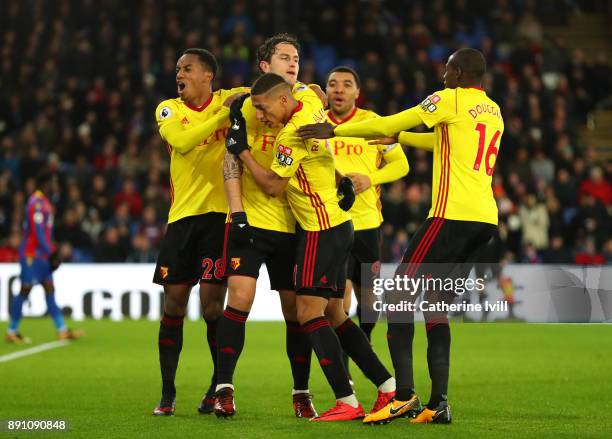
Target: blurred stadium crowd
(79, 82)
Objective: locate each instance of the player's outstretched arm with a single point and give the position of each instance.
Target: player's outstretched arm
(424, 141)
(395, 168)
(184, 140)
(232, 171)
(271, 183)
(372, 128)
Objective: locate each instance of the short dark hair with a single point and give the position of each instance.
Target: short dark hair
(44, 177)
(267, 49)
(346, 69)
(266, 82)
(206, 58)
(471, 62)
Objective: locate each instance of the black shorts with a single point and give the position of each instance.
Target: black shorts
(191, 251)
(365, 255)
(440, 249)
(444, 241)
(275, 249)
(320, 266)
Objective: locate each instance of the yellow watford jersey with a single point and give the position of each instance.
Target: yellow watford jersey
(263, 211)
(196, 176)
(353, 154)
(468, 129)
(310, 164)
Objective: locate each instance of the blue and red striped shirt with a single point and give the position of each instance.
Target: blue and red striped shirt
(37, 230)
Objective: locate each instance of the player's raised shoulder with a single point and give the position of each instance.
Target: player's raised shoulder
(300, 87)
(306, 94)
(224, 93)
(288, 135)
(166, 110)
(446, 95)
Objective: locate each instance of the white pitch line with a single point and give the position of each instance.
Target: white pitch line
(34, 350)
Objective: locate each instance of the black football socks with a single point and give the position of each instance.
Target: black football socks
(327, 347)
(211, 338)
(230, 341)
(399, 338)
(438, 361)
(358, 347)
(299, 352)
(170, 343)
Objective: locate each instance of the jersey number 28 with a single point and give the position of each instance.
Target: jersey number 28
(491, 150)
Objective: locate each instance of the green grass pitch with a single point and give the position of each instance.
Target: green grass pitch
(507, 380)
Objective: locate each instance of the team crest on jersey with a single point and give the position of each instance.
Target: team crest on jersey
(163, 271)
(235, 263)
(429, 104)
(165, 113)
(283, 156)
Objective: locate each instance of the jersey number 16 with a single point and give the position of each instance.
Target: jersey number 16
(491, 150)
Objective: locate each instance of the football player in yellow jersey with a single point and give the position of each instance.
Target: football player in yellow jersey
(361, 162)
(271, 228)
(306, 171)
(463, 217)
(194, 127)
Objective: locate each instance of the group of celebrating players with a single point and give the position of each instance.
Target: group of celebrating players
(266, 175)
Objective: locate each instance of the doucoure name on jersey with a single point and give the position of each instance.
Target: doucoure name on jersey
(484, 108)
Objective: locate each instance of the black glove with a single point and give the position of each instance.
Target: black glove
(54, 260)
(236, 141)
(236, 106)
(240, 230)
(347, 191)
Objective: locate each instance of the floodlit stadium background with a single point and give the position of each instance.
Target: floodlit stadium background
(79, 82)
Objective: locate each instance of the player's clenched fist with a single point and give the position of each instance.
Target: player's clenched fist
(236, 141)
(240, 230)
(347, 191)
